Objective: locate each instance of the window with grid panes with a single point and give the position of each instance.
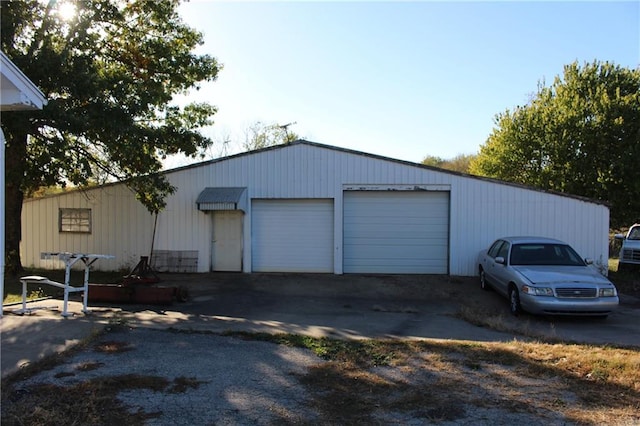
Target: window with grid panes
(75, 220)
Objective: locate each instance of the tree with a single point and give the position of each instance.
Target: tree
(433, 161)
(460, 163)
(109, 73)
(259, 135)
(580, 136)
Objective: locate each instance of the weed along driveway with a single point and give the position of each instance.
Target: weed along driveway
(325, 349)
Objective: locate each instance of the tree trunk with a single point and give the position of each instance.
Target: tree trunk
(15, 157)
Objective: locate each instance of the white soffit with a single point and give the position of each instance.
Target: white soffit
(17, 92)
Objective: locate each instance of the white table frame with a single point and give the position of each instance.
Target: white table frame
(69, 259)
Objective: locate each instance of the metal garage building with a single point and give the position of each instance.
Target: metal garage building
(307, 207)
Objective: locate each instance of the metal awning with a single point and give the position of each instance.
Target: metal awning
(222, 199)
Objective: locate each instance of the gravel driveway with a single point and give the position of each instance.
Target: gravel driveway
(227, 380)
(223, 380)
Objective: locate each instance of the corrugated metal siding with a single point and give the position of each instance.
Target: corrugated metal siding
(120, 226)
(484, 211)
(480, 210)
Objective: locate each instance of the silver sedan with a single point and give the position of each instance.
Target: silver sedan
(545, 276)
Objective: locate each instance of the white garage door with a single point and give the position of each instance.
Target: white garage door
(396, 232)
(292, 235)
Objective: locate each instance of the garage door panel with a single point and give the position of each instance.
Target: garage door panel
(405, 251)
(408, 264)
(292, 235)
(399, 221)
(396, 232)
(399, 232)
(381, 268)
(425, 247)
(392, 240)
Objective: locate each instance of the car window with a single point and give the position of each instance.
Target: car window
(504, 251)
(545, 254)
(493, 251)
(634, 234)
(568, 255)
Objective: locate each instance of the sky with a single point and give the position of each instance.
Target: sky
(403, 80)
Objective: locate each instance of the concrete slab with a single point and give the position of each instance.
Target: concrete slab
(31, 337)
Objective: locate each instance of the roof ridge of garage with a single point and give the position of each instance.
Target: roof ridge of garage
(394, 160)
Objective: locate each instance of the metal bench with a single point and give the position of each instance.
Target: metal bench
(36, 279)
(69, 259)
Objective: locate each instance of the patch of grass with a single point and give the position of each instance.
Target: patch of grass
(627, 282)
(64, 374)
(363, 352)
(112, 347)
(33, 294)
(89, 366)
(440, 378)
(346, 394)
(480, 316)
(91, 402)
(428, 402)
(182, 384)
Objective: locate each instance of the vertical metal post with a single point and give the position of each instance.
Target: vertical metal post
(67, 283)
(85, 297)
(24, 297)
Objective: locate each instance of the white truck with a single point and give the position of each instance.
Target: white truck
(630, 251)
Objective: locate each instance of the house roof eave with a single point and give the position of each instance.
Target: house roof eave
(18, 92)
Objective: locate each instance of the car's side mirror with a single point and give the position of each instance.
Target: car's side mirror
(588, 261)
(499, 260)
(619, 236)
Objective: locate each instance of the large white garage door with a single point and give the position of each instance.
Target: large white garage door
(403, 232)
(292, 235)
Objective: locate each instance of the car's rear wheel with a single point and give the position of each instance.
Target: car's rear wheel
(514, 301)
(483, 280)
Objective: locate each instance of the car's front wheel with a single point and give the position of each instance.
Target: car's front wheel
(514, 301)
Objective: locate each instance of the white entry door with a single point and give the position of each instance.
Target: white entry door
(226, 247)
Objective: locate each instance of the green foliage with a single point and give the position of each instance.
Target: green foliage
(581, 136)
(259, 135)
(109, 74)
(365, 352)
(459, 163)
(433, 161)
